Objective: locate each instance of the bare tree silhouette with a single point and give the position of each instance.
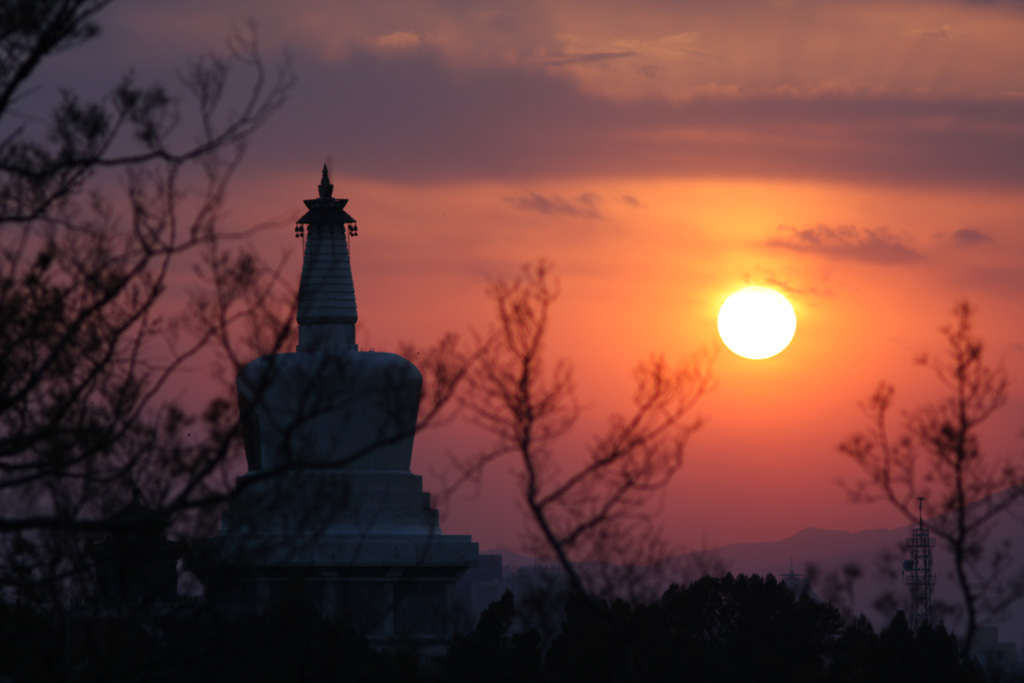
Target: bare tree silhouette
(937, 455)
(599, 510)
(88, 338)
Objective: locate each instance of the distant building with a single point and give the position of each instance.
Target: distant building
(476, 589)
(135, 564)
(994, 655)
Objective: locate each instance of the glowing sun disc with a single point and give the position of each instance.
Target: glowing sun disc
(756, 322)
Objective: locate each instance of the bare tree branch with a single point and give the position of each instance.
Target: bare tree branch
(527, 406)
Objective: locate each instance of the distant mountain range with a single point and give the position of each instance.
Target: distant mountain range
(822, 555)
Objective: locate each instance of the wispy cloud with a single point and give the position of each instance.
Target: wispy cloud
(969, 237)
(421, 120)
(584, 206)
(799, 291)
(399, 39)
(807, 289)
(587, 57)
(679, 44)
(944, 31)
(848, 242)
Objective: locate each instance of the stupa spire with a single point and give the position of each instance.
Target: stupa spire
(327, 297)
(326, 189)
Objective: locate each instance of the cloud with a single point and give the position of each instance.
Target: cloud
(399, 39)
(803, 287)
(847, 242)
(410, 116)
(586, 57)
(584, 206)
(799, 291)
(630, 200)
(944, 31)
(678, 44)
(969, 237)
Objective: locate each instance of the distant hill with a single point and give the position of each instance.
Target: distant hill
(822, 547)
(512, 561)
(822, 554)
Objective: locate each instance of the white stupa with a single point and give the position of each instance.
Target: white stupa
(329, 511)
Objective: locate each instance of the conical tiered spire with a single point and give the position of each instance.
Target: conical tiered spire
(327, 297)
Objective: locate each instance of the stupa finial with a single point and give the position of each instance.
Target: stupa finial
(326, 189)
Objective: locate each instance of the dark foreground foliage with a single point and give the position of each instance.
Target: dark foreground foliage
(714, 630)
(744, 629)
(728, 629)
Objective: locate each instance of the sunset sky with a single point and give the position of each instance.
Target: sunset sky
(864, 158)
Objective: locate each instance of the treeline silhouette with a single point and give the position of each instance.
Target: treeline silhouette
(715, 629)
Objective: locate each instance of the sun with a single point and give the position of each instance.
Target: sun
(756, 322)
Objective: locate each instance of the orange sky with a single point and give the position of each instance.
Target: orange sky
(865, 158)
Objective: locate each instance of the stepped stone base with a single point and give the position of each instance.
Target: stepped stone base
(360, 546)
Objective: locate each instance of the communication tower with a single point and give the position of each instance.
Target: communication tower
(917, 572)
